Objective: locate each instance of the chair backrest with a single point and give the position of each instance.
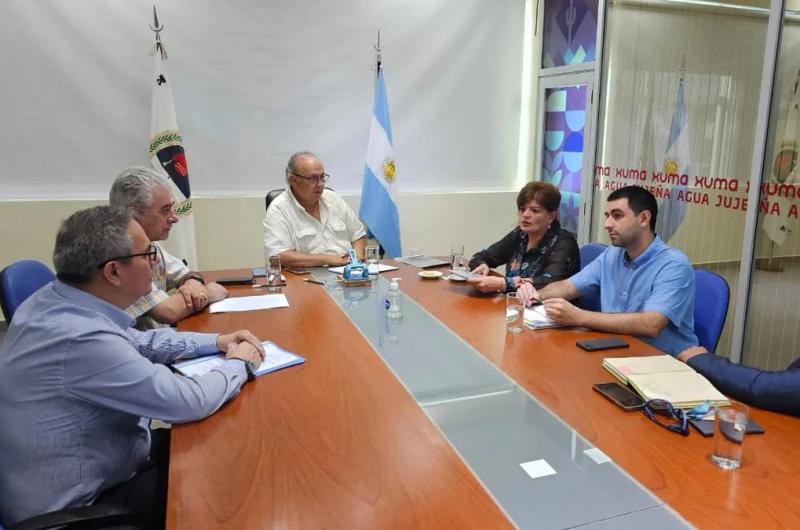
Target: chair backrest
(711, 296)
(20, 280)
(588, 252)
(271, 197)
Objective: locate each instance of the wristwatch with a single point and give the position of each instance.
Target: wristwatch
(194, 276)
(251, 367)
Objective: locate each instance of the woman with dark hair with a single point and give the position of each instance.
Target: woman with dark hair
(536, 251)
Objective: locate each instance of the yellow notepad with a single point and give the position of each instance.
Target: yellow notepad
(667, 378)
(622, 367)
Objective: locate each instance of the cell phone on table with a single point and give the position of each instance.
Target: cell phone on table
(298, 270)
(706, 427)
(608, 343)
(236, 280)
(622, 397)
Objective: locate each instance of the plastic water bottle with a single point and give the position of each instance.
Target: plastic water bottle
(394, 300)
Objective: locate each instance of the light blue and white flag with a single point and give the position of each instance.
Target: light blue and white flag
(676, 161)
(378, 208)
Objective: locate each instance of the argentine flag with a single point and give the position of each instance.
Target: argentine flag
(378, 208)
(672, 211)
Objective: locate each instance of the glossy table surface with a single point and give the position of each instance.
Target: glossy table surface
(339, 442)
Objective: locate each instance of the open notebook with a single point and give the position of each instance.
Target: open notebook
(275, 358)
(665, 377)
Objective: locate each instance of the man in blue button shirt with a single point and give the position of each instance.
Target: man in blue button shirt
(78, 384)
(646, 288)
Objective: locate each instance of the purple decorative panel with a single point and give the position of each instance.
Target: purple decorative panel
(570, 32)
(562, 156)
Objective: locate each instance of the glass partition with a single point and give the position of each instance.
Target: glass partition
(679, 97)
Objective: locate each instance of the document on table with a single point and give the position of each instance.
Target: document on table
(275, 358)
(249, 303)
(536, 318)
(373, 268)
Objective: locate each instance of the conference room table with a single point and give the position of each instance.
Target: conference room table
(357, 437)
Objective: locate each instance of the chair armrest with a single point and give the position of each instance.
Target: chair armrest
(94, 516)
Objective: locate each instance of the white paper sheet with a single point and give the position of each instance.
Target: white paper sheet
(249, 303)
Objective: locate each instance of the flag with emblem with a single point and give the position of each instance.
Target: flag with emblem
(784, 170)
(378, 205)
(167, 155)
(676, 161)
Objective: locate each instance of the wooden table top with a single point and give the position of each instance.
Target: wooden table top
(548, 364)
(338, 442)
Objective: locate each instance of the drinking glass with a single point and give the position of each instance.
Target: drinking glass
(457, 257)
(730, 425)
(372, 259)
(274, 281)
(514, 313)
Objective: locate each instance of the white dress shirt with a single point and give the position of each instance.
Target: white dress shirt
(288, 226)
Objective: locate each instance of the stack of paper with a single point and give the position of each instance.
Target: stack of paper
(665, 377)
(275, 358)
(536, 318)
(249, 303)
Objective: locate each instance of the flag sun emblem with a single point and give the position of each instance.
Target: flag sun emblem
(671, 166)
(388, 170)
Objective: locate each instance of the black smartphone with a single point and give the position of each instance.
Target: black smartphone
(236, 280)
(625, 399)
(298, 270)
(602, 344)
(706, 427)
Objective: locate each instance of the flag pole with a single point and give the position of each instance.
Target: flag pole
(157, 28)
(377, 46)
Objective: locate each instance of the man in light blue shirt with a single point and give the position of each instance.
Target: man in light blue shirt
(77, 383)
(646, 288)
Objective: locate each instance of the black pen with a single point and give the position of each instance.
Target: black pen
(313, 280)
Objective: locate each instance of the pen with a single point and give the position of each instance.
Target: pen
(313, 280)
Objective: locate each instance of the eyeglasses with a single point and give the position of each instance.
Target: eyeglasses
(656, 409)
(152, 254)
(314, 179)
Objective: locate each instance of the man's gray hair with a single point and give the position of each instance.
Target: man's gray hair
(291, 165)
(134, 187)
(88, 238)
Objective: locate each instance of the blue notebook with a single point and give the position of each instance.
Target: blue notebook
(259, 271)
(275, 358)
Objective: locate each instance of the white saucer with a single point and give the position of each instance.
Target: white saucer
(430, 275)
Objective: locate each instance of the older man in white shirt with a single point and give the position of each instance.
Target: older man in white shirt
(308, 225)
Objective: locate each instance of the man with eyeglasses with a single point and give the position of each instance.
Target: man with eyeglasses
(78, 384)
(308, 225)
(148, 196)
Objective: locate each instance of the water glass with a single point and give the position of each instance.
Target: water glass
(730, 426)
(372, 259)
(274, 281)
(457, 257)
(515, 312)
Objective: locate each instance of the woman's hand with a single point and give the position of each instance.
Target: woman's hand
(482, 269)
(488, 284)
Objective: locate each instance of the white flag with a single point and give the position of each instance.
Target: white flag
(166, 154)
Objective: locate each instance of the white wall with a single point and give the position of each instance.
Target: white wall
(229, 230)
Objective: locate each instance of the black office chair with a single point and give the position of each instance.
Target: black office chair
(271, 197)
(274, 193)
(105, 516)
